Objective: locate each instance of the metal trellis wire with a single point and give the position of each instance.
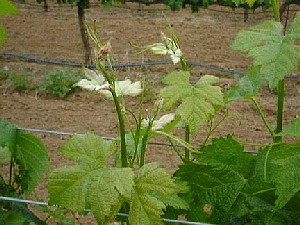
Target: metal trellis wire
(10, 199)
(78, 134)
(139, 64)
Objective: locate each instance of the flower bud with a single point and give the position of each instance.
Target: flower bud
(104, 50)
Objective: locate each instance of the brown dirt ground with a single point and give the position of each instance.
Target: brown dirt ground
(205, 38)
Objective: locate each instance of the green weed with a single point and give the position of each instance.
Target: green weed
(61, 82)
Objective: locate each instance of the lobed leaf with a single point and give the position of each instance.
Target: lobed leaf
(108, 190)
(197, 102)
(214, 190)
(89, 150)
(227, 151)
(95, 186)
(153, 182)
(275, 53)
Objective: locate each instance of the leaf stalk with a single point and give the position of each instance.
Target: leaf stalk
(262, 115)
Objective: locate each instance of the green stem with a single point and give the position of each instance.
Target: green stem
(212, 129)
(184, 66)
(280, 107)
(11, 169)
(121, 128)
(263, 191)
(145, 139)
(187, 140)
(110, 79)
(266, 163)
(276, 12)
(262, 115)
(144, 145)
(176, 150)
(280, 95)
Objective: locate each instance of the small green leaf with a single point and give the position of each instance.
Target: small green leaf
(293, 129)
(153, 181)
(197, 102)
(249, 85)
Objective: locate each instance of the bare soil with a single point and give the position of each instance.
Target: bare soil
(205, 38)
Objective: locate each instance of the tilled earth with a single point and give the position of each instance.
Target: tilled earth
(205, 38)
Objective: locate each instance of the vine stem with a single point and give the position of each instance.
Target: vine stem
(121, 128)
(212, 129)
(146, 137)
(281, 84)
(11, 169)
(118, 108)
(262, 115)
(187, 140)
(280, 107)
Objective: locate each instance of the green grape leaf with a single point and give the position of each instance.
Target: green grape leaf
(198, 103)
(249, 85)
(288, 179)
(278, 166)
(227, 151)
(153, 181)
(214, 190)
(28, 152)
(275, 53)
(95, 185)
(32, 159)
(89, 151)
(293, 129)
(6, 7)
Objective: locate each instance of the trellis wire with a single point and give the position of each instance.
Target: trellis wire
(73, 64)
(3, 198)
(104, 137)
(91, 66)
(78, 134)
